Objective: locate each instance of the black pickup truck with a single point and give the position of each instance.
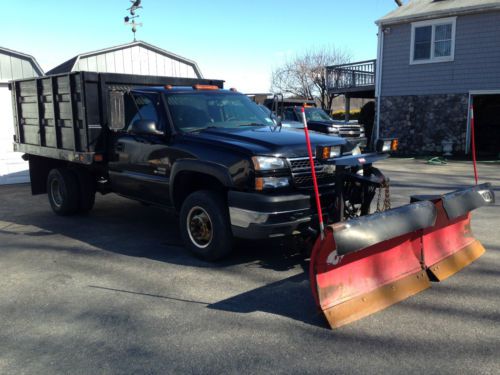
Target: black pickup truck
(209, 154)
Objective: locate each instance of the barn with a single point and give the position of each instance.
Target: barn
(13, 65)
(133, 58)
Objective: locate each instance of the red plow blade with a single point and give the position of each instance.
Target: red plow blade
(366, 264)
(450, 245)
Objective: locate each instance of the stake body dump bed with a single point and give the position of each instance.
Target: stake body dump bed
(67, 116)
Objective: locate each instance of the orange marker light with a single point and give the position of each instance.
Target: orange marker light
(259, 184)
(323, 152)
(205, 87)
(168, 87)
(326, 153)
(394, 145)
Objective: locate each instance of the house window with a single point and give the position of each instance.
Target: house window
(433, 41)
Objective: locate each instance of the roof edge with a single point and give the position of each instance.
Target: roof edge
(31, 58)
(151, 47)
(438, 14)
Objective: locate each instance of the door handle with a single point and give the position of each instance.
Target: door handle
(119, 147)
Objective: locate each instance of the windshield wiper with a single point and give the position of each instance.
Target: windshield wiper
(252, 124)
(201, 129)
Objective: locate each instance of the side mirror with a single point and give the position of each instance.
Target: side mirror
(278, 120)
(145, 127)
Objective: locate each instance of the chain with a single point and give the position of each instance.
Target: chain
(386, 205)
(387, 200)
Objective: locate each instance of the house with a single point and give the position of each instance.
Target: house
(436, 59)
(13, 65)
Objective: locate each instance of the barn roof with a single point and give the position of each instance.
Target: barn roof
(9, 71)
(68, 65)
(426, 9)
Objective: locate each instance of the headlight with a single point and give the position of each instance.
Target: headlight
(332, 129)
(334, 151)
(262, 183)
(265, 163)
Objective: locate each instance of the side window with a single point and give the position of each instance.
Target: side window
(433, 41)
(141, 107)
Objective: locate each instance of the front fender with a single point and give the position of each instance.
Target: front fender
(217, 171)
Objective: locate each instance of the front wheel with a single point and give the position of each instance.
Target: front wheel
(205, 227)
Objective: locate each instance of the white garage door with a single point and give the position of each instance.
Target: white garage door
(13, 169)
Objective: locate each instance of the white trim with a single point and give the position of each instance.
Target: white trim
(378, 82)
(484, 92)
(434, 23)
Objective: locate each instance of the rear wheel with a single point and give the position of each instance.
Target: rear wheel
(205, 227)
(63, 192)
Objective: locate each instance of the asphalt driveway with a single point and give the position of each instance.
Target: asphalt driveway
(115, 292)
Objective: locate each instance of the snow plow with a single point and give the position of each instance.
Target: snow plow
(365, 264)
(362, 265)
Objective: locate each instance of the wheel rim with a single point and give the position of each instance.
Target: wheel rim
(199, 227)
(55, 192)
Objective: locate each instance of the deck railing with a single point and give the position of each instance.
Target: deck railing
(359, 75)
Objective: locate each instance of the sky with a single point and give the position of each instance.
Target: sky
(235, 40)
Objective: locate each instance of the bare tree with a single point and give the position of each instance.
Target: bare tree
(304, 75)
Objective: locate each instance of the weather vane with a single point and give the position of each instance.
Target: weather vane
(130, 20)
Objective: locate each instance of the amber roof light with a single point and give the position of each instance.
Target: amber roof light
(205, 87)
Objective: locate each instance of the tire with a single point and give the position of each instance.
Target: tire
(63, 192)
(205, 227)
(87, 189)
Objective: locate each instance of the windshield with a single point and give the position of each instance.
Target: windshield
(199, 110)
(316, 114)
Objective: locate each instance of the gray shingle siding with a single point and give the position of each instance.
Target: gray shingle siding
(476, 65)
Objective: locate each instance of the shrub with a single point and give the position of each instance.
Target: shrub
(340, 114)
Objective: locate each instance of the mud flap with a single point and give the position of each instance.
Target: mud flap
(450, 245)
(366, 264)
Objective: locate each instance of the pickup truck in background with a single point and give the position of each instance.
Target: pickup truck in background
(187, 145)
(288, 111)
(318, 120)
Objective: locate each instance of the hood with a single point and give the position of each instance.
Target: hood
(265, 141)
(323, 122)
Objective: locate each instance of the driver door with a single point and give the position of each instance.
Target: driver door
(140, 167)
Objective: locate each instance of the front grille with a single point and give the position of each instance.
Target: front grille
(301, 173)
(303, 165)
(351, 131)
